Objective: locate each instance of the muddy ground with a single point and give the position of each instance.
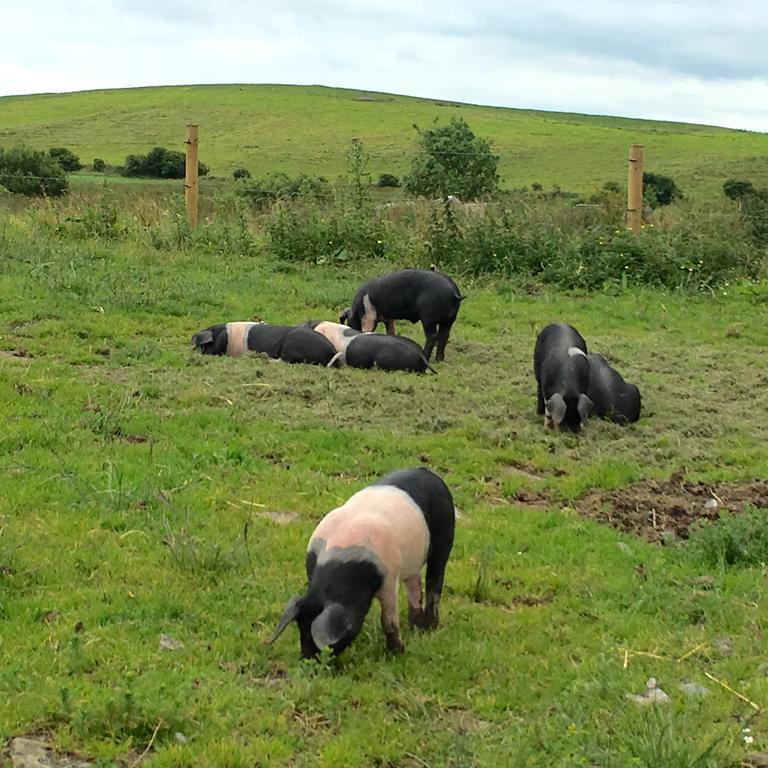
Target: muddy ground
(651, 508)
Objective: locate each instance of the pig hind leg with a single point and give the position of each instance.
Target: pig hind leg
(390, 622)
(444, 331)
(430, 333)
(539, 399)
(436, 562)
(415, 597)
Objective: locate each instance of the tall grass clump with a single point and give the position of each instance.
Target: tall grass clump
(732, 540)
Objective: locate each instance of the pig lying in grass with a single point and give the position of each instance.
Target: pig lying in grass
(292, 344)
(380, 536)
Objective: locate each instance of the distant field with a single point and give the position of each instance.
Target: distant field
(307, 129)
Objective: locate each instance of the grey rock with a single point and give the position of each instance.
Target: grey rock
(651, 695)
(723, 645)
(168, 643)
(691, 690)
(33, 753)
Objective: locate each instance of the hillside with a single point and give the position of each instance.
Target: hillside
(308, 128)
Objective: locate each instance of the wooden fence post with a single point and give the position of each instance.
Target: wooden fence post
(190, 181)
(635, 188)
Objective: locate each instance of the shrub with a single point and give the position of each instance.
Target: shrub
(451, 160)
(159, 163)
(388, 180)
(31, 172)
(279, 186)
(99, 166)
(660, 190)
(67, 159)
(733, 539)
(736, 190)
(241, 173)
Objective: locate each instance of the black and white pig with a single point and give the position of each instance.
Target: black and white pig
(389, 353)
(292, 344)
(240, 338)
(613, 398)
(381, 536)
(408, 294)
(561, 368)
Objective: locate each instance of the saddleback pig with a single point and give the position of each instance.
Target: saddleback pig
(561, 368)
(372, 350)
(292, 344)
(408, 294)
(613, 398)
(379, 537)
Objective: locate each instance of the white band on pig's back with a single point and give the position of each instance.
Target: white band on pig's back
(369, 318)
(382, 519)
(237, 338)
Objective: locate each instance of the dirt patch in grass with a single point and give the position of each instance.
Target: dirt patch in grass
(651, 508)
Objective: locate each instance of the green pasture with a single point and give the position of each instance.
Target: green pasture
(146, 490)
(308, 129)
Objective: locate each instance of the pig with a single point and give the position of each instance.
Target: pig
(303, 345)
(337, 334)
(561, 368)
(380, 536)
(389, 353)
(239, 338)
(292, 344)
(408, 294)
(613, 398)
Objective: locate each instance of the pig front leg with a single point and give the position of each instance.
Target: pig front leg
(390, 622)
(430, 333)
(415, 610)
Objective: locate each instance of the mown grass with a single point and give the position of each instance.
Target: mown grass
(147, 490)
(308, 129)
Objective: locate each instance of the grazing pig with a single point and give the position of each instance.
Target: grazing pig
(408, 294)
(389, 353)
(239, 338)
(382, 535)
(613, 398)
(561, 368)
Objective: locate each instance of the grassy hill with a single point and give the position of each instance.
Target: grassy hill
(308, 129)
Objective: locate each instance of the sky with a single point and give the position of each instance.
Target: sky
(702, 62)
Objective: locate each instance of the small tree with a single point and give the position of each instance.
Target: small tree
(660, 190)
(159, 163)
(388, 180)
(66, 158)
(357, 169)
(31, 172)
(451, 160)
(241, 173)
(99, 166)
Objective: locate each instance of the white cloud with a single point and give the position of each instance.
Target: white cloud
(695, 60)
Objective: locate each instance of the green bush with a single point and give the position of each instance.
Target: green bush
(159, 163)
(303, 231)
(388, 180)
(735, 189)
(451, 160)
(241, 173)
(99, 166)
(31, 172)
(660, 190)
(66, 158)
(279, 186)
(733, 539)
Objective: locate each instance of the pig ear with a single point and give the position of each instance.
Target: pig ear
(203, 337)
(556, 408)
(290, 613)
(330, 626)
(584, 407)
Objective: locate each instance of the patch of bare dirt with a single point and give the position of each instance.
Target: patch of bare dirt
(652, 509)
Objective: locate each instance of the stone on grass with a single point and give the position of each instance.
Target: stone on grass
(651, 695)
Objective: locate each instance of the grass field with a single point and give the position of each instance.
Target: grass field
(149, 491)
(295, 129)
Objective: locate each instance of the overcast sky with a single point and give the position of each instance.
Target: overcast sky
(696, 60)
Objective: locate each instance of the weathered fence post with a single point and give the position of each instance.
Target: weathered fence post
(635, 188)
(190, 181)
